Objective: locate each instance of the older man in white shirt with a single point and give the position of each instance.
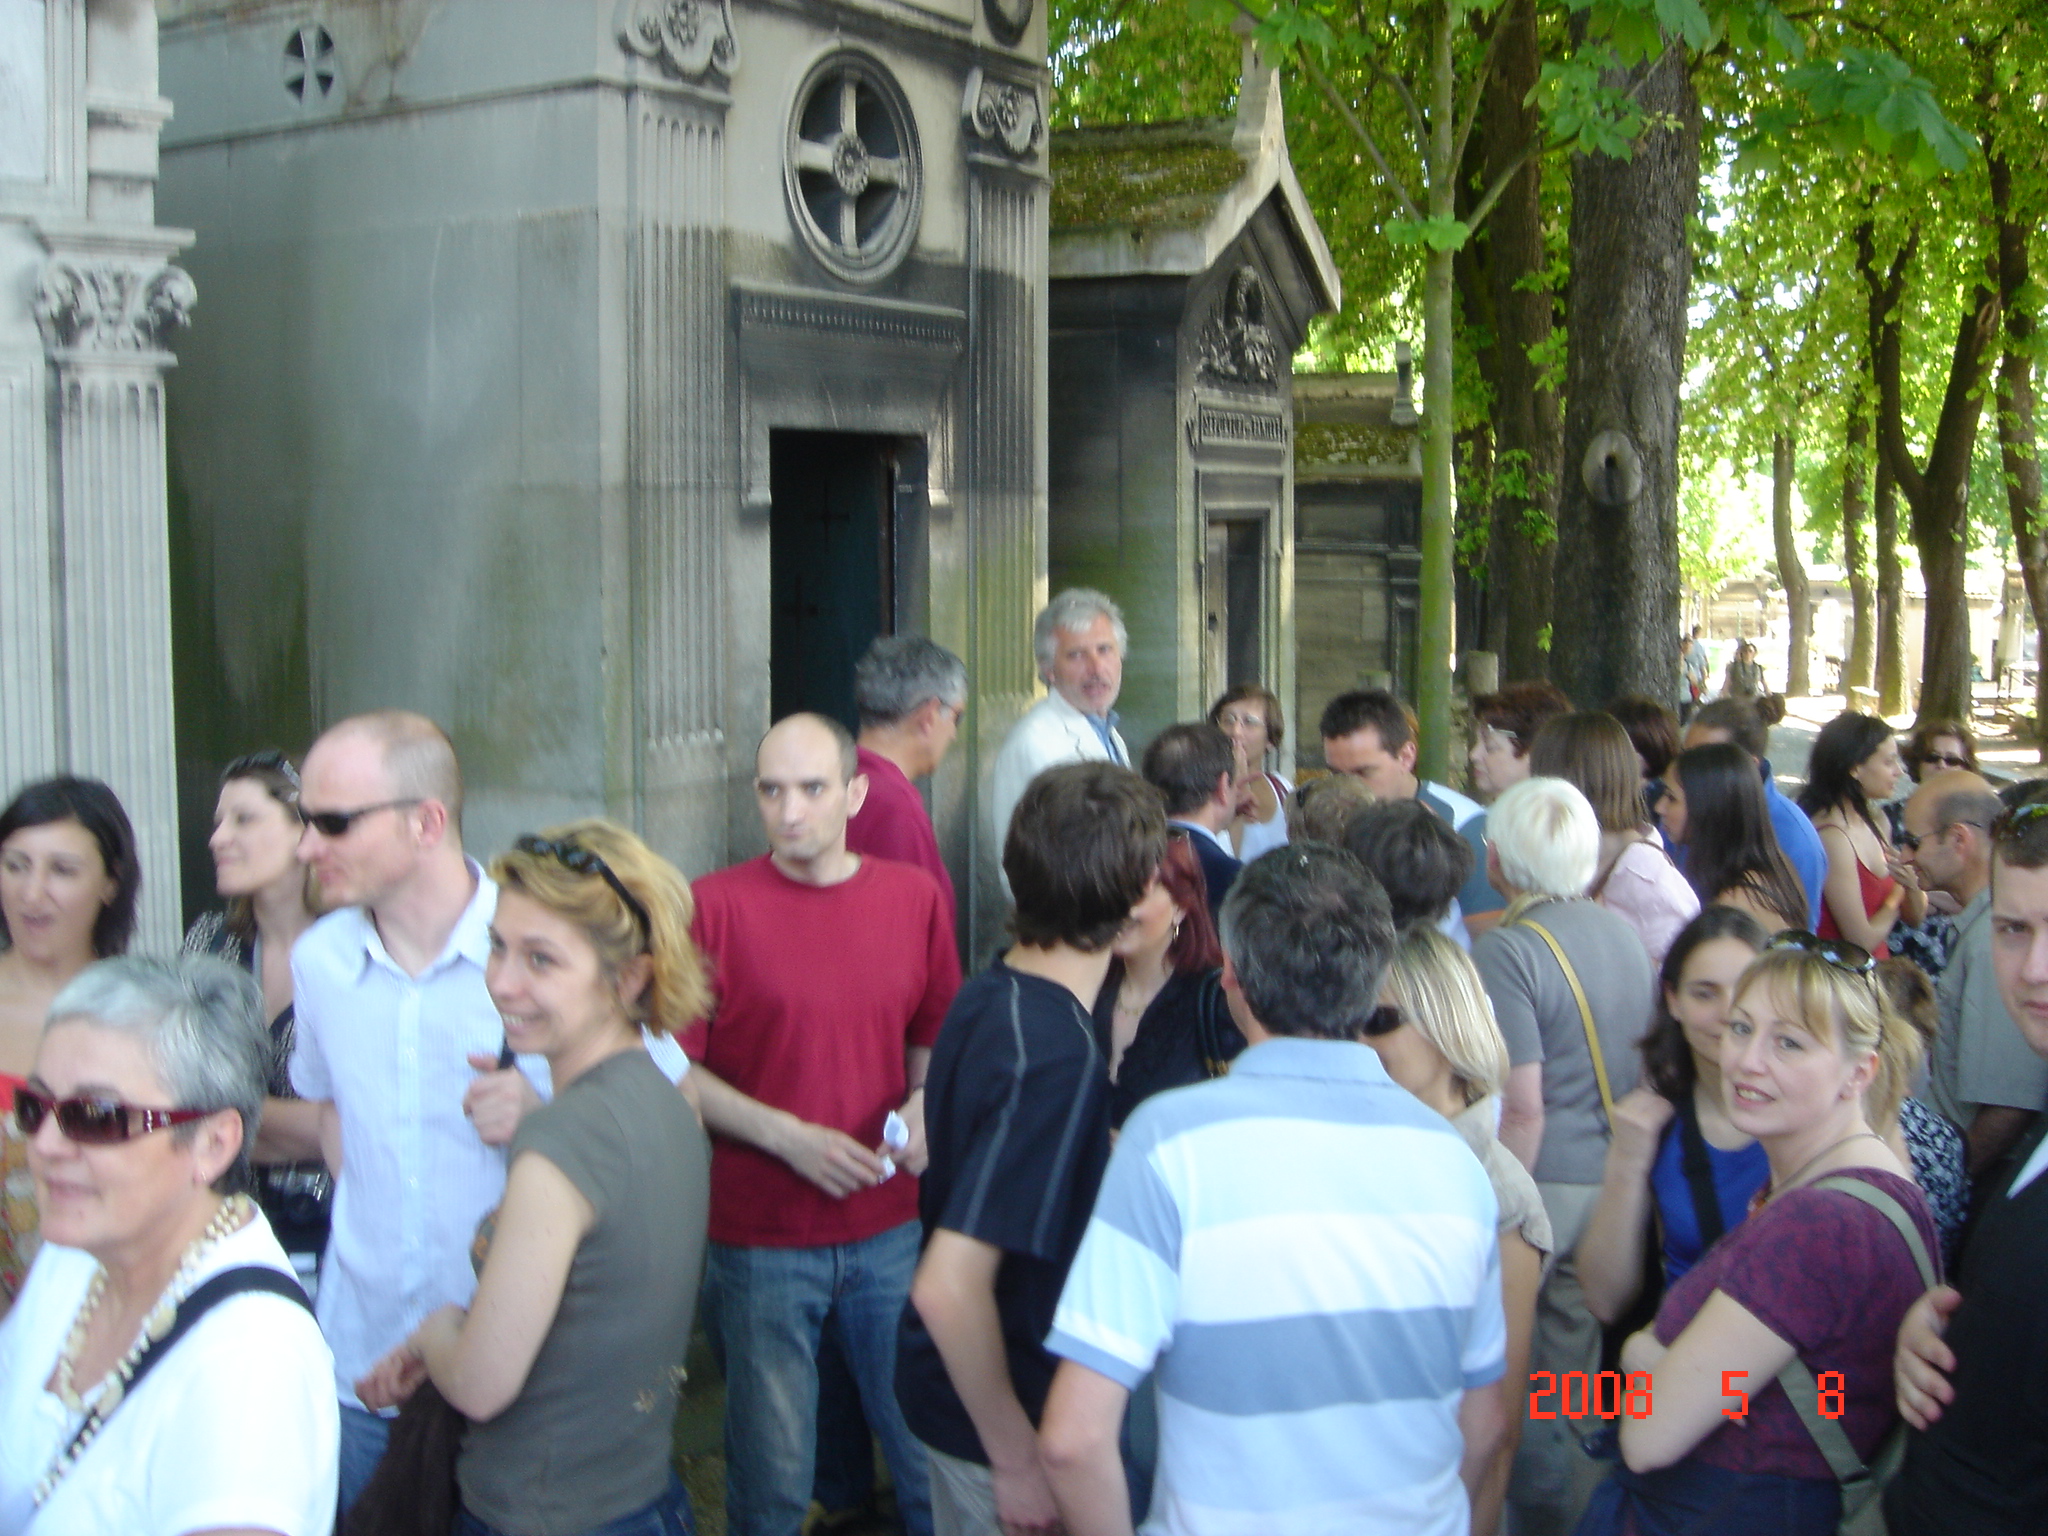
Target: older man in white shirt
(1080, 642)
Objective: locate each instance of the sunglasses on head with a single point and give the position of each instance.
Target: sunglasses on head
(577, 859)
(1839, 953)
(2019, 818)
(96, 1122)
(332, 824)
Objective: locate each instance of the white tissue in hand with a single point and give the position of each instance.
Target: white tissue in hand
(895, 1136)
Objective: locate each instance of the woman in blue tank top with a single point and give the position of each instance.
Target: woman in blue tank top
(1674, 1152)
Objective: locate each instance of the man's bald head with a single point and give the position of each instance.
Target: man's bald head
(418, 757)
(809, 728)
(1948, 832)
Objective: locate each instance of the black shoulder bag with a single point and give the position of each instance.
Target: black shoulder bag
(202, 1299)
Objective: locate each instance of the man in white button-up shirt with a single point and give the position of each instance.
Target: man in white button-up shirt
(394, 1027)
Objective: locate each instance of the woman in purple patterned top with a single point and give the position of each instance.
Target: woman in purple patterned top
(1812, 1055)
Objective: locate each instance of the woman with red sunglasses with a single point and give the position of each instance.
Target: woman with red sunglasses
(161, 1369)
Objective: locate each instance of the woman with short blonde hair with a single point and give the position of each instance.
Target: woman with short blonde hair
(1436, 1036)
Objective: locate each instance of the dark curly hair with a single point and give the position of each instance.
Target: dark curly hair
(97, 809)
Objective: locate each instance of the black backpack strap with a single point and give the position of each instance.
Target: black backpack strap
(202, 1299)
(1698, 1167)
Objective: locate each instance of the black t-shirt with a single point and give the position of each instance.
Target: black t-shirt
(1982, 1470)
(1016, 1114)
(1185, 1036)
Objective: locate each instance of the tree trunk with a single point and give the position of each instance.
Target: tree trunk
(1433, 606)
(1891, 596)
(1791, 570)
(1527, 431)
(2017, 444)
(1616, 587)
(1937, 495)
(1859, 664)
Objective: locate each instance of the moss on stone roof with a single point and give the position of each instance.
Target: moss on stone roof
(1146, 176)
(1331, 442)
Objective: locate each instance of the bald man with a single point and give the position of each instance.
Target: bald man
(395, 1048)
(833, 973)
(1983, 1076)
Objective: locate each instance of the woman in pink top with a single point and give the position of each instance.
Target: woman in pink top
(1635, 879)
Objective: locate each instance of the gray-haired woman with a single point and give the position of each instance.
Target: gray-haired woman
(160, 1370)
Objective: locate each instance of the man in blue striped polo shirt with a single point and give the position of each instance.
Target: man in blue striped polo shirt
(1304, 1254)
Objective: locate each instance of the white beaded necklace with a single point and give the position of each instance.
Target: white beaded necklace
(233, 1214)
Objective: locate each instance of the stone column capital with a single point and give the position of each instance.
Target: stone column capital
(112, 307)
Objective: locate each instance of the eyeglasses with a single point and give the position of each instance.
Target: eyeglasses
(336, 823)
(96, 1122)
(1496, 735)
(580, 860)
(1232, 717)
(1945, 760)
(1911, 841)
(1383, 1020)
(1839, 953)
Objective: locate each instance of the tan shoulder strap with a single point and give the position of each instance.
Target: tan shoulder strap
(1585, 1015)
(1800, 1388)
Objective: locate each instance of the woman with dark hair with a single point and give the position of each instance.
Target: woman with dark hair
(1939, 744)
(1653, 731)
(1635, 879)
(1744, 678)
(1250, 716)
(69, 879)
(1853, 768)
(270, 902)
(1675, 1153)
(1160, 1017)
(1504, 727)
(1713, 807)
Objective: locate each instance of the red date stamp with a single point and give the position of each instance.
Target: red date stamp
(1610, 1394)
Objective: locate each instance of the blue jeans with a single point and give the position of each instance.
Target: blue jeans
(764, 1309)
(668, 1515)
(363, 1439)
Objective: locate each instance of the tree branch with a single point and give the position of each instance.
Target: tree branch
(1468, 116)
(1324, 84)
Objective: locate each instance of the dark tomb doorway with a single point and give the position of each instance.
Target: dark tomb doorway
(837, 561)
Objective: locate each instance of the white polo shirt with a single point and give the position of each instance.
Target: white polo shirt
(392, 1052)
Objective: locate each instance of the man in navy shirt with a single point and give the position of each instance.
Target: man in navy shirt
(1195, 768)
(1017, 1125)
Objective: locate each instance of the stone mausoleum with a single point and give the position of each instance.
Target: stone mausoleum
(598, 376)
(1185, 268)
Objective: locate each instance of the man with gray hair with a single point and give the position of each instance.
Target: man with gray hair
(1982, 1075)
(911, 694)
(1080, 643)
(1301, 1254)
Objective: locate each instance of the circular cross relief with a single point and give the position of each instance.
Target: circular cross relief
(853, 172)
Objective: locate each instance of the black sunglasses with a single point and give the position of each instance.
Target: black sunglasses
(2019, 818)
(580, 860)
(1383, 1020)
(336, 823)
(1839, 953)
(1911, 841)
(1946, 760)
(96, 1122)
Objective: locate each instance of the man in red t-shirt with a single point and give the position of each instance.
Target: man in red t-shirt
(832, 973)
(911, 694)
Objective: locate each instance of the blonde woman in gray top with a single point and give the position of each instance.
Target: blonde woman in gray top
(1437, 1038)
(568, 1360)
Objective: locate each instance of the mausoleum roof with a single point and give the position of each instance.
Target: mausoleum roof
(1168, 198)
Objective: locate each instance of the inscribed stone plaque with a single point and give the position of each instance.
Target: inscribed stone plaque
(24, 91)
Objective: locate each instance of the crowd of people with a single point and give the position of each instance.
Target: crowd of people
(1586, 1153)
